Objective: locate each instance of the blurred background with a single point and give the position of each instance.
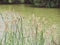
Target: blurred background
(29, 22)
(35, 3)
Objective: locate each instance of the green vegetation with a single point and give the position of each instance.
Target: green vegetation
(33, 30)
(36, 3)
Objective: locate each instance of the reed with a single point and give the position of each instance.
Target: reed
(17, 36)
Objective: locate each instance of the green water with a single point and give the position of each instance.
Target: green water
(52, 14)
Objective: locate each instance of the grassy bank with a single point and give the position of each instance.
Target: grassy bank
(30, 26)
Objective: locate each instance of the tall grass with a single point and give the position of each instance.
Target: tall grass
(25, 31)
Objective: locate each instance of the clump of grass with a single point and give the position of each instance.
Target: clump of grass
(17, 36)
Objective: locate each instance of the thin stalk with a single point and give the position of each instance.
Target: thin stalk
(18, 31)
(2, 18)
(12, 38)
(41, 39)
(5, 31)
(5, 38)
(18, 38)
(36, 34)
(22, 30)
(18, 27)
